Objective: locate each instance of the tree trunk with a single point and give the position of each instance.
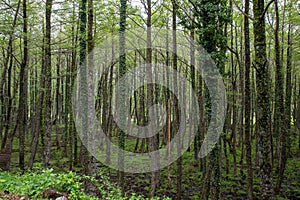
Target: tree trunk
(234, 102)
(122, 71)
(39, 114)
(5, 121)
(263, 101)
(176, 111)
(90, 166)
(153, 142)
(22, 123)
(248, 103)
(58, 100)
(285, 134)
(279, 90)
(48, 86)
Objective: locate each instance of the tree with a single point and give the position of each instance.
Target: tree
(121, 72)
(7, 139)
(176, 110)
(209, 17)
(285, 134)
(90, 165)
(39, 114)
(153, 142)
(263, 100)
(279, 83)
(48, 84)
(22, 119)
(248, 102)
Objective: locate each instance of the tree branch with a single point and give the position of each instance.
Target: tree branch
(246, 15)
(135, 21)
(188, 15)
(266, 8)
(194, 5)
(232, 51)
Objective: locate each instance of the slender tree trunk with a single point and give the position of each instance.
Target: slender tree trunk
(5, 121)
(122, 71)
(248, 103)
(234, 115)
(153, 142)
(176, 111)
(48, 119)
(39, 115)
(279, 91)
(67, 135)
(90, 165)
(202, 125)
(22, 125)
(73, 135)
(242, 101)
(285, 134)
(234, 99)
(263, 101)
(110, 127)
(58, 99)
(298, 114)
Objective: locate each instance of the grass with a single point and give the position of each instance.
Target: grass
(138, 185)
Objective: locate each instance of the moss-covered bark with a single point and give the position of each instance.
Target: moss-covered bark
(263, 101)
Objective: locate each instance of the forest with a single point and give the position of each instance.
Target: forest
(150, 99)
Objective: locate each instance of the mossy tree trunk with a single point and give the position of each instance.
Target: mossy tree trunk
(264, 132)
(22, 119)
(248, 102)
(122, 72)
(48, 85)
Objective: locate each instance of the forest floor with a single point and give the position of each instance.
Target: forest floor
(233, 186)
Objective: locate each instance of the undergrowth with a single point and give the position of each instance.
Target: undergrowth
(33, 183)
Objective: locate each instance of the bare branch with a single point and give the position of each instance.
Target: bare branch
(136, 22)
(194, 5)
(266, 8)
(145, 7)
(246, 15)
(188, 15)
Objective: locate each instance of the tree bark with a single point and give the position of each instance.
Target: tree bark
(48, 86)
(121, 72)
(263, 101)
(248, 103)
(22, 119)
(39, 114)
(285, 134)
(176, 111)
(153, 142)
(279, 90)
(5, 121)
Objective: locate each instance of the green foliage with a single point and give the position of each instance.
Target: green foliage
(33, 183)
